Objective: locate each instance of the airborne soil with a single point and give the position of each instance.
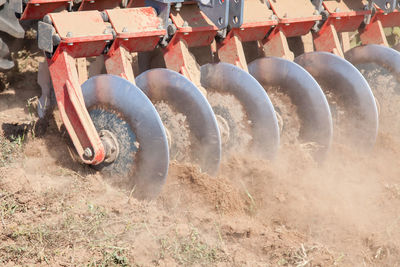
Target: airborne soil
(292, 211)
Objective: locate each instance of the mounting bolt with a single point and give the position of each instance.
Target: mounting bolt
(171, 29)
(104, 16)
(178, 6)
(92, 1)
(47, 19)
(88, 153)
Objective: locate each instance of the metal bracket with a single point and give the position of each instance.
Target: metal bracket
(387, 5)
(163, 9)
(217, 11)
(45, 36)
(236, 13)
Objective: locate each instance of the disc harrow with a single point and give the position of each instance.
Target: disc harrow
(251, 52)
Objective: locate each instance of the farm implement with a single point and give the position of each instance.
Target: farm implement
(202, 61)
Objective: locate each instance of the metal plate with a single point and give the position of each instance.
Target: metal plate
(305, 93)
(229, 79)
(217, 11)
(350, 88)
(288, 9)
(344, 6)
(73, 26)
(387, 5)
(190, 16)
(176, 90)
(377, 54)
(135, 22)
(149, 172)
(255, 11)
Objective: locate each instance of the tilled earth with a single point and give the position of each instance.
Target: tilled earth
(290, 212)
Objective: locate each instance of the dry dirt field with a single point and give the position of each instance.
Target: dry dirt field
(290, 212)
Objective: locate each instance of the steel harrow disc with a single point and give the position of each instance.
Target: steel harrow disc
(305, 94)
(380, 55)
(120, 107)
(340, 78)
(229, 79)
(176, 90)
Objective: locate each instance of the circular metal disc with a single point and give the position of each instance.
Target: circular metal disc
(383, 56)
(229, 79)
(337, 75)
(135, 123)
(304, 92)
(176, 90)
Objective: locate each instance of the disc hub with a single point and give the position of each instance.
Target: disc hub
(110, 144)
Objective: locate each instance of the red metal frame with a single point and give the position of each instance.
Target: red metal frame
(99, 4)
(373, 32)
(193, 29)
(132, 35)
(77, 41)
(37, 9)
(84, 34)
